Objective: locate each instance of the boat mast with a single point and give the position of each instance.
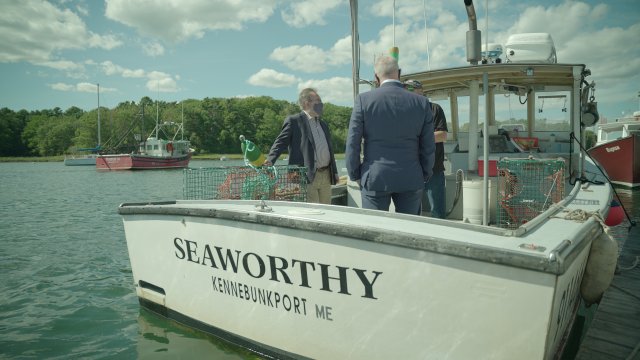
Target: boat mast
(355, 48)
(99, 138)
(182, 126)
(157, 109)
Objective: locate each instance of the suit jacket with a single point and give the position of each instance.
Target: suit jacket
(399, 145)
(296, 137)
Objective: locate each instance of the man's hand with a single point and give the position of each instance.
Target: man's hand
(267, 163)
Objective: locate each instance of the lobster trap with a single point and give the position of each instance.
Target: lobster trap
(526, 188)
(285, 182)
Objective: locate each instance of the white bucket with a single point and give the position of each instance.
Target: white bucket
(472, 201)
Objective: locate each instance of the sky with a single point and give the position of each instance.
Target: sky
(53, 53)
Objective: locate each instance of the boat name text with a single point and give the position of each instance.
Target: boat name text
(331, 278)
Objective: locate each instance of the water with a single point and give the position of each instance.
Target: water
(66, 289)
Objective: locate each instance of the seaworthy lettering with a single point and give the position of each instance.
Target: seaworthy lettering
(309, 274)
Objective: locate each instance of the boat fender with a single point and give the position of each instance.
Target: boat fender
(170, 147)
(616, 214)
(600, 268)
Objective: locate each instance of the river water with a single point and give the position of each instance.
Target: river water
(66, 288)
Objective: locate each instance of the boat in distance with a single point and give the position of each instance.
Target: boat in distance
(524, 242)
(617, 150)
(80, 160)
(153, 153)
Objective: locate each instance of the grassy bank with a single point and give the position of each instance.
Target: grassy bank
(32, 158)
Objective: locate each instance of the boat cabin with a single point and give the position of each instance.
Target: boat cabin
(524, 111)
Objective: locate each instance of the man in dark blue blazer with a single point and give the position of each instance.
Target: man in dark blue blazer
(307, 139)
(399, 146)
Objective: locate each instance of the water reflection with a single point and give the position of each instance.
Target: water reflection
(160, 338)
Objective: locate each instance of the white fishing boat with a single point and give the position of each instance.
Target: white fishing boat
(500, 278)
(86, 156)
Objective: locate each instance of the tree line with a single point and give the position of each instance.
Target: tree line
(212, 125)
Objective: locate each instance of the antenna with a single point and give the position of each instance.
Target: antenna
(394, 23)
(426, 32)
(486, 30)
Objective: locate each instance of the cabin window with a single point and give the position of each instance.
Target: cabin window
(149, 147)
(553, 111)
(155, 147)
(510, 112)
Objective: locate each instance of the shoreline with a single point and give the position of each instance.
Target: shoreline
(60, 158)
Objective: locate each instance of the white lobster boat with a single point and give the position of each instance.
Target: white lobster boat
(298, 280)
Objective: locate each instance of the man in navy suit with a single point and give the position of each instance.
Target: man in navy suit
(308, 141)
(399, 145)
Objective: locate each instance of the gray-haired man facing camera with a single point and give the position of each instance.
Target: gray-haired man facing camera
(307, 139)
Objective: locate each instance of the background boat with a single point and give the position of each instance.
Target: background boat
(161, 150)
(86, 156)
(80, 160)
(617, 150)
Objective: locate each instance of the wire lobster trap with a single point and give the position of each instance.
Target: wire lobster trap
(283, 182)
(526, 188)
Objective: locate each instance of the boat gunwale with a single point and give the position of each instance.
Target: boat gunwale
(555, 263)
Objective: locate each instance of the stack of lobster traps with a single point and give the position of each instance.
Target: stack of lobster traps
(285, 183)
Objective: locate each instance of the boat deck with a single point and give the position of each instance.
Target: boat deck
(615, 330)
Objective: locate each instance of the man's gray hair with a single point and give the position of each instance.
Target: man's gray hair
(305, 96)
(386, 66)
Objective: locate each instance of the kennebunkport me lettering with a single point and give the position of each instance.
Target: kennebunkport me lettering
(307, 274)
(260, 296)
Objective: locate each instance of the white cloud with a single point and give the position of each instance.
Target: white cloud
(153, 48)
(304, 13)
(336, 90)
(82, 9)
(174, 21)
(156, 80)
(61, 65)
(80, 87)
(306, 58)
(35, 30)
(312, 59)
(161, 82)
(271, 78)
(109, 68)
(61, 86)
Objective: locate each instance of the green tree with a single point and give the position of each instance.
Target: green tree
(11, 127)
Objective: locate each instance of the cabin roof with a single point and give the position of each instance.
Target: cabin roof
(519, 74)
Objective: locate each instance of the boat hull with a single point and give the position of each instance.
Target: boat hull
(300, 282)
(620, 158)
(89, 160)
(141, 162)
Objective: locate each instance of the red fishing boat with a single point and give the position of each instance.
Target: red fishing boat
(154, 152)
(617, 150)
